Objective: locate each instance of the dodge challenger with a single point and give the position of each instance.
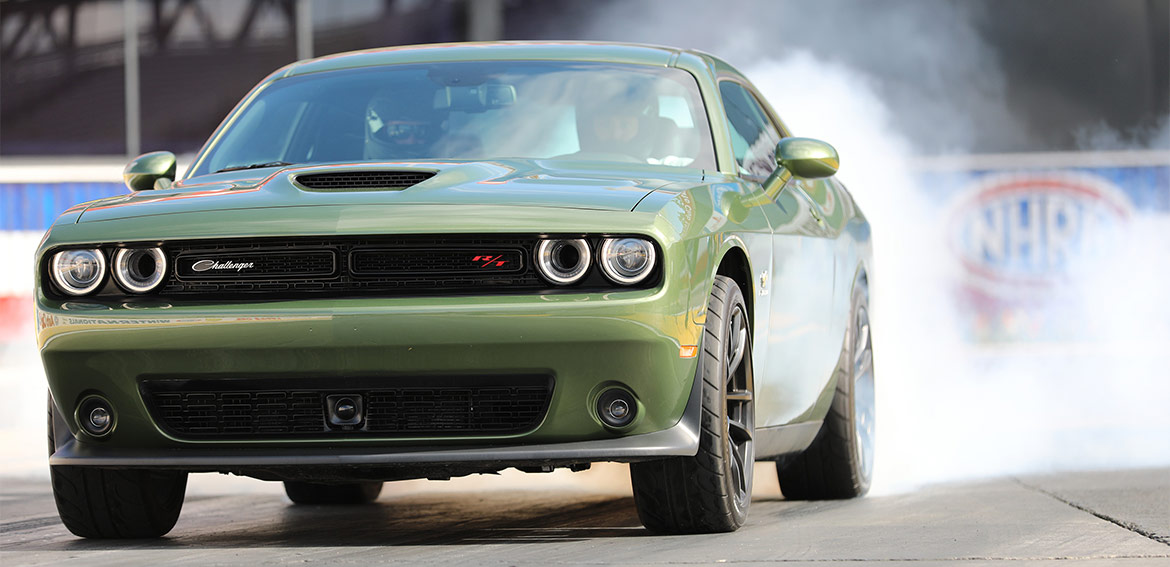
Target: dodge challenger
(441, 260)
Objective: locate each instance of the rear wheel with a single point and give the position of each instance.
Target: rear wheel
(839, 463)
(330, 494)
(711, 491)
(113, 503)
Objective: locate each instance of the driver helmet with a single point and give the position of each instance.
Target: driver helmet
(617, 121)
(401, 123)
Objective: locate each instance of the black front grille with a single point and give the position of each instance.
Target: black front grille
(447, 406)
(378, 266)
(390, 265)
(350, 180)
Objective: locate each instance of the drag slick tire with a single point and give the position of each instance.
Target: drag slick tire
(332, 494)
(709, 492)
(839, 463)
(113, 503)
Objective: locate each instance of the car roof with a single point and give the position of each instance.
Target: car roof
(491, 51)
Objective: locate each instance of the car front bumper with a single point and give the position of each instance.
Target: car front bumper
(586, 342)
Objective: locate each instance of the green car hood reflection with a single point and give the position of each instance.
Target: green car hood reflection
(532, 183)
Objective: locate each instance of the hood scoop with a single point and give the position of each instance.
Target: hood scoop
(388, 180)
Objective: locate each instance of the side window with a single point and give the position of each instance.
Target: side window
(753, 136)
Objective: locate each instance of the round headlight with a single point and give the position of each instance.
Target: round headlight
(563, 261)
(627, 261)
(78, 272)
(139, 270)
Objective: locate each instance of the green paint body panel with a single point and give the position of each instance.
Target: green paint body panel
(804, 240)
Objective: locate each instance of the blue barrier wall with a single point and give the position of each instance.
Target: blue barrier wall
(33, 206)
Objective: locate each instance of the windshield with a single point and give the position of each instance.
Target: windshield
(473, 111)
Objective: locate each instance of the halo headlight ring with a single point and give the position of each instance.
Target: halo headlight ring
(620, 274)
(63, 269)
(563, 261)
(139, 270)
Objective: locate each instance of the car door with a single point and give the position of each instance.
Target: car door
(797, 357)
(833, 205)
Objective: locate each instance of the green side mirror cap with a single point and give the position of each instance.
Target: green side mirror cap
(155, 170)
(806, 157)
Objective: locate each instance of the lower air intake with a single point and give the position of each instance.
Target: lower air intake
(393, 407)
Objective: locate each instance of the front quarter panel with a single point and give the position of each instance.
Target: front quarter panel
(715, 218)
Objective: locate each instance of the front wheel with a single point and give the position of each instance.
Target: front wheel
(113, 503)
(709, 492)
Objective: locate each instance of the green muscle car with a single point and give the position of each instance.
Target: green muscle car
(442, 260)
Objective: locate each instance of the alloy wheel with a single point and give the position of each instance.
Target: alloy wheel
(740, 408)
(863, 392)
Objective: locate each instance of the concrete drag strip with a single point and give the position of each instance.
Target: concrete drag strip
(1084, 518)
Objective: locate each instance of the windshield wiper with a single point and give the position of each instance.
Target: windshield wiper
(255, 166)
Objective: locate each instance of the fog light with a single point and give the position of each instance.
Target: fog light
(99, 419)
(95, 416)
(616, 407)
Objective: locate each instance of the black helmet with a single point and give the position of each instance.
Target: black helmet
(401, 123)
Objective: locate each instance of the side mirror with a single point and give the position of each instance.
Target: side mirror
(806, 157)
(155, 170)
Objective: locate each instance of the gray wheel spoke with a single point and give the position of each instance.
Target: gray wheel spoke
(864, 364)
(861, 343)
(738, 431)
(736, 341)
(737, 472)
(739, 396)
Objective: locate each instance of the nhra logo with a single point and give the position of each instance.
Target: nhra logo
(1031, 228)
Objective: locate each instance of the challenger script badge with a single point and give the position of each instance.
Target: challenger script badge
(205, 265)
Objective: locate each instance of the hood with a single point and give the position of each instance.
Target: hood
(521, 183)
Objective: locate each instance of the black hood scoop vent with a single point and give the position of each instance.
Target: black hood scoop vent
(362, 180)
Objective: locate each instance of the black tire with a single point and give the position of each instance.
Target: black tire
(839, 463)
(332, 494)
(113, 503)
(711, 491)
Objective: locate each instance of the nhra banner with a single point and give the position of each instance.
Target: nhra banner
(1027, 230)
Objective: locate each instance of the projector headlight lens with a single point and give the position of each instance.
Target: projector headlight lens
(627, 261)
(563, 262)
(139, 270)
(78, 272)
